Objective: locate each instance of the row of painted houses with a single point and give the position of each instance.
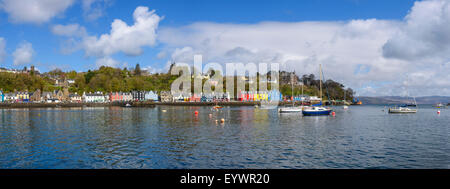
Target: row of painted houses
(164, 96)
(64, 96)
(246, 96)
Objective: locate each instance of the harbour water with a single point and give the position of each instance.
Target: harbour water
(114, 137)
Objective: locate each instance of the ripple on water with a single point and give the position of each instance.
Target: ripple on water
(363, 137)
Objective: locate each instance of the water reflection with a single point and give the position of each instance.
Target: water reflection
(175, 137)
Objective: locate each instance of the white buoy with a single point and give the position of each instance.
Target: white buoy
(164, 110)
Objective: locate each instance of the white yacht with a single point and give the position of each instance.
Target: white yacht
(401, 110)
(293, 109)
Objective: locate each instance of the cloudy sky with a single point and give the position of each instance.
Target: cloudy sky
(378, 47)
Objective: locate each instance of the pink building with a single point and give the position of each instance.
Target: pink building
(115, 96)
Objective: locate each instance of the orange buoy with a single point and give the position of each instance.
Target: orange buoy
(333, 113)
(196, 112)
(222, 120)
(439, 112)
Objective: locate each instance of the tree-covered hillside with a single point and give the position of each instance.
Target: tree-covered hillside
(108, 79)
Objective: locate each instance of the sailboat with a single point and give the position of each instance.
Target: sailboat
(318, 109)
(404, 109)
(345, 107)
(401, 110)
(292, 109)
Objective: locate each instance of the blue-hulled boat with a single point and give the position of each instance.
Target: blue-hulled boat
(317, 111)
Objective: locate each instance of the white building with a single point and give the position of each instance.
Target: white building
(75, 98)
(150, 95)
(127, 97)
(96, 97)
(314, 98)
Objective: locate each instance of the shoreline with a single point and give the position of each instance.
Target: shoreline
(133, 104)
(121, 104)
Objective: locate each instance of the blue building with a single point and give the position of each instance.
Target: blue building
(275, 95)
(150, 95)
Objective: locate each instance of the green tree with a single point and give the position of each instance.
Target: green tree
(137, 70)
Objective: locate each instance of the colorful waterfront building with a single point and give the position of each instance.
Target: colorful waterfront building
(150, 95)
(127, 97)
(96, 97)
(23, 96)
(115, 96)
(274, 95)
(181, 97)
(196, 98)
(138, 95)
(75, 98)
(166, 96)
(2, 96)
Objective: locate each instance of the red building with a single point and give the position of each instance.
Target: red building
(195, 98)
(115, 96)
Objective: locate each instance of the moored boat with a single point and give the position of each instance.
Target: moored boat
(401, 110)
(439, 105)
(290, 109)
(317, 111)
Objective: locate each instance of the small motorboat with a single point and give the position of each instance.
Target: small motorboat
(402, 110)
(439, 105)
(345, 107)
(316, 111)
(127, 105)
(291, 109)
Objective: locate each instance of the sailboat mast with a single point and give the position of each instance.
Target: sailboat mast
(301, 98)
(345, 95)
(320, 83)
(292, 89)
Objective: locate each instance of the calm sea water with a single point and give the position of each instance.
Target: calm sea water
(362, 137)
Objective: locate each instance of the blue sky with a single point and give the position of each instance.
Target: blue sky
(178, 13)
(373, 46)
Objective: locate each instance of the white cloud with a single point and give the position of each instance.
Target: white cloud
(424, 35)
(107, 61)
(23, 54)
(372, 56)
(74, 34)
(34, 11)
(2, 49)
(124, 38)
(297, 46)
(94, 9)
(152, 70)
(70, 30)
